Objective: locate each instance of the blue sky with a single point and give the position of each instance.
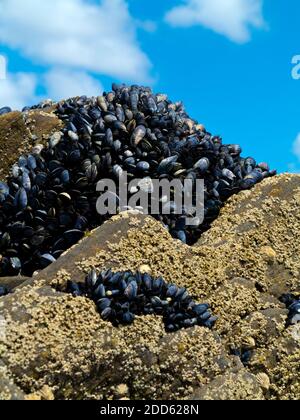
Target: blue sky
(229, 61)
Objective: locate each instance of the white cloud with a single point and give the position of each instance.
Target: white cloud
(78, 34)
(68, 83)
(296, 147)
(231, 18)
(18, 90)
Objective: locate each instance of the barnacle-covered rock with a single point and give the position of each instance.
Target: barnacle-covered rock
(232, 386)
(63, 344)
(8, 389)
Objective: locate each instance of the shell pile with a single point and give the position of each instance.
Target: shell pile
(122, 295)
(49, 200)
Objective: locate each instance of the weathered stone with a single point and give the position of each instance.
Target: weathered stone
(13, 282)
(231, 386)
(8, 390)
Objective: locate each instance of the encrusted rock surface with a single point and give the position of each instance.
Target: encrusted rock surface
(19, 132)
(56, 346)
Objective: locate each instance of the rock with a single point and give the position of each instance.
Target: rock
(54, 340)
(145, 269)
(12, 282)
(63, 344)
(8, 390)
(231, 386)
(269, 254)
(121, 391)
(91, 251)
(253, 231)
(44, 394)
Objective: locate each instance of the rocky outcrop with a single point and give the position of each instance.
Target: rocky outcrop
(19, 132)
(56, 346)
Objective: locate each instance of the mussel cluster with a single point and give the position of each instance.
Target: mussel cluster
(3, 291)
(293, 305)
(122, 295)
(50, 197)
(244, 355)
(5, 110)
